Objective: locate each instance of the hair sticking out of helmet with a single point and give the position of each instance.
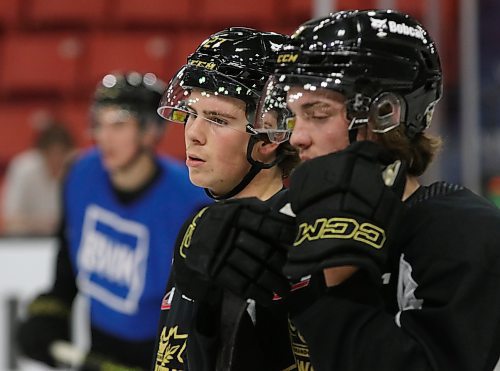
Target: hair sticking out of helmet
(137, 93)
(383, 62)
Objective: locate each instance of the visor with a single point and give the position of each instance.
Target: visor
(221, 101)
(282, 92)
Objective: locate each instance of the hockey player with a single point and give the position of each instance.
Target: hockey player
(204, 327)
(411, 270)
(123, 206)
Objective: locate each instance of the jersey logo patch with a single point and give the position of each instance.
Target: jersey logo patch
(112, 259)
(170, 350)
(167, 300)
(304, 282)
(299, 348)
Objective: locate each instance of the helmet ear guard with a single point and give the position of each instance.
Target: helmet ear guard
(385, 112)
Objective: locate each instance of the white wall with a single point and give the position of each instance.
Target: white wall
(26, 268)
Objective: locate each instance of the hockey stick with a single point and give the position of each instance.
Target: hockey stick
(67, 354)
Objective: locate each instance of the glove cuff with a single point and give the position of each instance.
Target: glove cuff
(47, 305)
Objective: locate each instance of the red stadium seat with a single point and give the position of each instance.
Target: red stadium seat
(172, 143)
(157, 12)
(298, 11)
(44, 63)
(413, 8)
(142, 52)
(17, 129)
(9, 12)
(65, 12)
(356, 4)
(223, 13)
(186, 44)
(75, 114)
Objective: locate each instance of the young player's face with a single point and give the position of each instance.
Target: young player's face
(117, 135)
(216, 142)
(321, 126)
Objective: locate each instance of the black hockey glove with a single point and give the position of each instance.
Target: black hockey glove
(239, 245)
(48, 321)
(346, 213)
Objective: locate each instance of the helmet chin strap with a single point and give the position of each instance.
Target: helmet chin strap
(256, 167)
(353, 133)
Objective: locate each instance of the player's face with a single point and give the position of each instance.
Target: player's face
(215, 151)
(321, 126)
(117, 135)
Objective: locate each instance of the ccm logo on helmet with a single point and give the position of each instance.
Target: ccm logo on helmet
(397, 28)
(342, 228)
(203, 64)
(287, 58)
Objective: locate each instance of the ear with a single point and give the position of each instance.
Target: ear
(152, 134)
(265, 151)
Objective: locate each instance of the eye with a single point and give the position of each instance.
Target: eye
(319, 115)
(218, 120)
(316, 114)
(322, 112)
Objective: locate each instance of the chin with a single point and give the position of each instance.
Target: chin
(110, 165)
(113, 166)
(197, 180)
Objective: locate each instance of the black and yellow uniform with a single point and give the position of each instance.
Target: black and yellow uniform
(223, 332)
(439, 307)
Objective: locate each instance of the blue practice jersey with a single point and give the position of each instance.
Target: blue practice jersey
(122, 252)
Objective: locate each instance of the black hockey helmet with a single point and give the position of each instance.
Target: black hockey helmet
(135, 92)
(382, 61)
(235, 62)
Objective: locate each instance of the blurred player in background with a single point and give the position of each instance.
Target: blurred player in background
(122, 208)
(215, 95)
(31, 197)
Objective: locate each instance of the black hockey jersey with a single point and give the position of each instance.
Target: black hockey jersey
(439, 307)
(227, 333)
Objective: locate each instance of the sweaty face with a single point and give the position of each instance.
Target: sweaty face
(117, 135)
(216, 141)
(321, 126)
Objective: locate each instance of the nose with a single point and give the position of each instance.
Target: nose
(195, 130)
(300, 137)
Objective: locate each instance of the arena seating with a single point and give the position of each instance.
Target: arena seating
(64, 13)
(53, 52)
(45, 63)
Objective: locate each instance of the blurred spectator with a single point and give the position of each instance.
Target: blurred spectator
(31, 195)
